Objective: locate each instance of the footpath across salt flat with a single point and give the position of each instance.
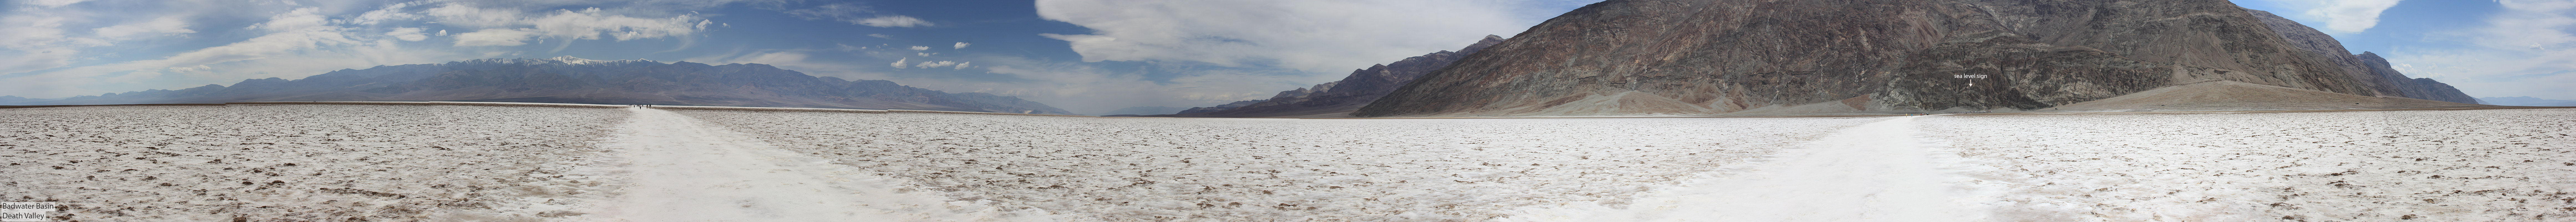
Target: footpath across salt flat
(1228, 169)
(681, 170)
(1873, 172)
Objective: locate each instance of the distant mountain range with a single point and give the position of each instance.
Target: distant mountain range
(1703, 57)
(1339, 98)
(1220, 107)
(1147, 110)
(15, 100)
(576, 80)
(2525, 101)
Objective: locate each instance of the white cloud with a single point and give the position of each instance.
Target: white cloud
(502, 24)
(918, 48)
(18, 61)
(858, 15)
(468, 16)
(936, 64)
(772, 58)
(2531, 25)
(48, 48)
(960, 45)
(300, 19)
(394, 12)
(892, 21)
(24, 32)
(298, 42)
(2525, 50)
(494, 37)
(36, 41)
(53, 3)
(881, 36)
(1228, 50)
(1318, 36)
(407, 34)
(297, 29)
(830, 12)
(2341, 16)
(591, 23)
(1076, 86)
(163, 25)
(901, 64)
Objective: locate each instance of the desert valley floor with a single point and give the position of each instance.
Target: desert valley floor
(501, 163)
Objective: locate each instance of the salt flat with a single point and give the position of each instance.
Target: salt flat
(1129, 169)
(305, 162)
(476, 163)
(2457, 165)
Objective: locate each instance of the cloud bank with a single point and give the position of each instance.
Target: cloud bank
(65, 48)
(2529, 42)
(1318, 36)
(859, 15)
(2341, 16)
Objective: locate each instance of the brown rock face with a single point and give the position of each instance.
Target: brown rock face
(1750, 56)
(1352, 92)
(2419, 88)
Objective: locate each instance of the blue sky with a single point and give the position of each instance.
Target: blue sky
(2486, 48)
(1087, 56)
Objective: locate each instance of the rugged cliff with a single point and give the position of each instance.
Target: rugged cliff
(576, 80)
(1750, 56)
(1358, 89)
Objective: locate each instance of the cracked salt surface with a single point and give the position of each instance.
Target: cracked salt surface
(681, 170)
(2455, 165)
(1873, 172)
(475, 163)
(303, 162)
(1156, 169)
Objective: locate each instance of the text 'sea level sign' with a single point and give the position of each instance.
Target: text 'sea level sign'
(1968, 76)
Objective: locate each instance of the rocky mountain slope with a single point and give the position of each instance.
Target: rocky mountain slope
(1747, 56)
(2220, 95)
(2365, 67)
(576, 80)
(1361, 87)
